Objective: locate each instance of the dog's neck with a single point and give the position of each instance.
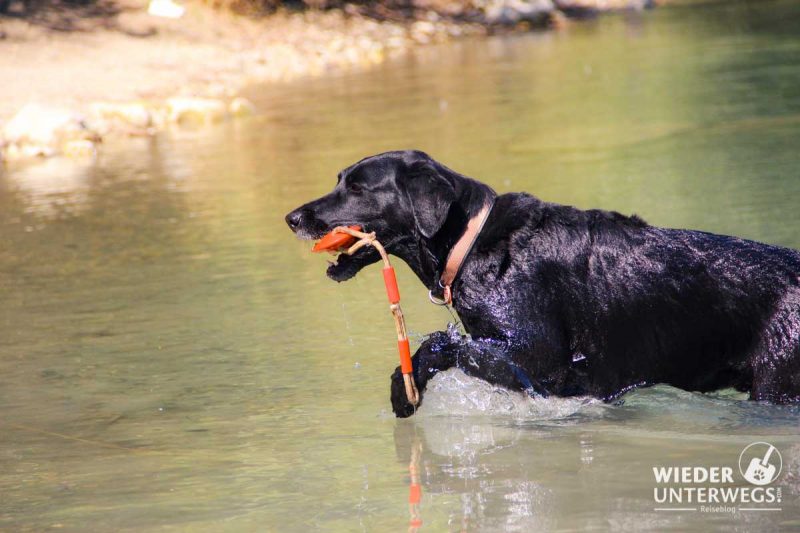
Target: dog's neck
(427, 256)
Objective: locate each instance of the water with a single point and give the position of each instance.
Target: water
(171, 358)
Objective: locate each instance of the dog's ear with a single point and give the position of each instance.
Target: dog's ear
(430, 197)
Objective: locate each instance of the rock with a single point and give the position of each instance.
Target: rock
(587, 8)
(27, 151)
(196, 111)
(165, 9)
(559, 20)
(241, 107)
(135, 114)
(79, 148)
(40, 131)
(511, 12)
(37, 125)
(422, 31)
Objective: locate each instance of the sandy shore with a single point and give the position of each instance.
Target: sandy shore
(131, 55)
(73, 77)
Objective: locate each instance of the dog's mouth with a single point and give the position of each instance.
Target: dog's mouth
(344, 266)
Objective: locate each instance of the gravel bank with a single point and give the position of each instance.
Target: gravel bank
(73, 77)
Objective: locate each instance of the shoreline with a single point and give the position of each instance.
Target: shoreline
(81, 79)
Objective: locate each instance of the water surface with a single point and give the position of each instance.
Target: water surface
(172, 359)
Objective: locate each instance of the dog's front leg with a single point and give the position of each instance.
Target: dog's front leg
(482, 359)
(438, 352)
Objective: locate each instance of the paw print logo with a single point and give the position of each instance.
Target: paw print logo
(760, 463)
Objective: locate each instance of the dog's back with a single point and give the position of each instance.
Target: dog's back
(638, 304)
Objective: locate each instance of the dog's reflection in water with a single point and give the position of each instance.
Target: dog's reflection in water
(479, 473)
(415, 486)
(450, 460)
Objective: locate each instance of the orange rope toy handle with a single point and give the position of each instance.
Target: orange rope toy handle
(393, 293)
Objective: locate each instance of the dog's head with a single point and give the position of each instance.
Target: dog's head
(399, 195)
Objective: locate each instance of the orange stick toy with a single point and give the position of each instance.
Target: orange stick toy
(353, 237)
(333, 242)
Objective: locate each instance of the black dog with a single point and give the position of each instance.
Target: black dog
(569, 302)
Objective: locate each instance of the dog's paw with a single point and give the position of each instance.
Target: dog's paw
(400, 405)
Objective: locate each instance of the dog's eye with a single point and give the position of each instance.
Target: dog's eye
(354, 188)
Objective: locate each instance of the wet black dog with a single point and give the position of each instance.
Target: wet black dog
(569, 302)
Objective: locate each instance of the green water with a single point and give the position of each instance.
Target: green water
(172, 359)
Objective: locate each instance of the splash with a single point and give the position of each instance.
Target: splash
(455, 393)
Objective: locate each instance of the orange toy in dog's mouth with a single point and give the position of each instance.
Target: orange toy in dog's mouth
(334, 242)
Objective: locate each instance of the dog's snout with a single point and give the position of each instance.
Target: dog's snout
(294, 219)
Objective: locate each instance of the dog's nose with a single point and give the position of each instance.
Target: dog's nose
(294, 218)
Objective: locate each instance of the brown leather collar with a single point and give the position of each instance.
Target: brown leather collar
(460, 251)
